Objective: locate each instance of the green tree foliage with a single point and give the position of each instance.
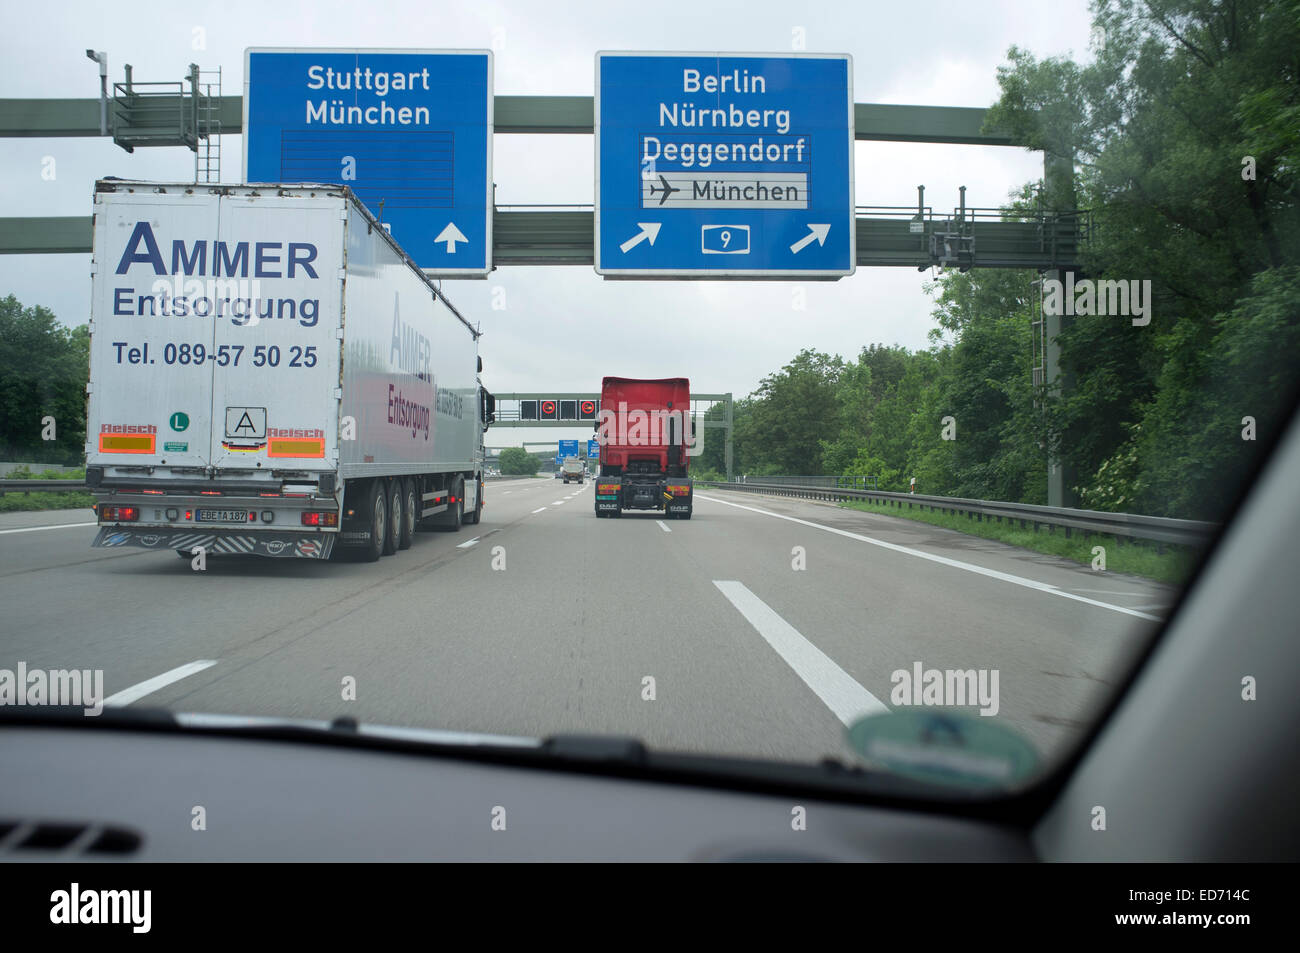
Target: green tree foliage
(1185, 132)
(44, 368)
(516, 461)
(788, 413)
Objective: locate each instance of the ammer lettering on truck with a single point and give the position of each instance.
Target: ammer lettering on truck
(229, 292)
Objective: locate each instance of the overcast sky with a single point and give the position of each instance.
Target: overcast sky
(562, 329)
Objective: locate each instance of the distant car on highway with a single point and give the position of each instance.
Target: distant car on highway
(573, 470)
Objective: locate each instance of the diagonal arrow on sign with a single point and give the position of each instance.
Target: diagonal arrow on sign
(818, 232)
(451, 234)
(649, 230)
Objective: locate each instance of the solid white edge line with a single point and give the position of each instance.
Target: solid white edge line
(837, 689)
(945, 561)
(37, 529)
(151, 685)
(663, 526)
(467, 544)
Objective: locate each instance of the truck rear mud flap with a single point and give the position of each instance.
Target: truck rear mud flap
(289, 546)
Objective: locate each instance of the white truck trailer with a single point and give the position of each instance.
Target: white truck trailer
(271, 374)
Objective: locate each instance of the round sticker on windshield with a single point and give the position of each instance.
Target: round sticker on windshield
(944, 747)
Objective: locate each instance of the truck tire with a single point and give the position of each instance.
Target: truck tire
(377, 508)
(393, 498)
(450, 519)
(472, 519)
(410, 506)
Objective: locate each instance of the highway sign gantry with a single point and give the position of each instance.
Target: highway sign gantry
(410, 131)
(724, 165)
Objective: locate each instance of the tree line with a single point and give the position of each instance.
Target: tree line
(44, 367)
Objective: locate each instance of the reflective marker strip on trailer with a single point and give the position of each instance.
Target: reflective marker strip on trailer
(126, 443)
(296, 448)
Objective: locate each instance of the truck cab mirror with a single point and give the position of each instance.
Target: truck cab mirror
(480, 363)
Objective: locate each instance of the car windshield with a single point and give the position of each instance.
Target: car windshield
(895, 389)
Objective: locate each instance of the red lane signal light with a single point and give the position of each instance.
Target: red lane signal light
(548, 410)
(587, 409)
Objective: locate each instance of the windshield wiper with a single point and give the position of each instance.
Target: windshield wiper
(618, 755)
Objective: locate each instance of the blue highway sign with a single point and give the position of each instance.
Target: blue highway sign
(724, 165)
(411, 129)
(568, 448)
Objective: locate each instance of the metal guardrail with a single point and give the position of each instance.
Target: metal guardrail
(43, 486)
(1159, 529)
(838, 482)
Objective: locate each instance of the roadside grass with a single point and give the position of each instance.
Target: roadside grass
(15, 501)
(1135, 557)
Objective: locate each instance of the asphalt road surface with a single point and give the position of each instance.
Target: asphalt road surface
(760, 627)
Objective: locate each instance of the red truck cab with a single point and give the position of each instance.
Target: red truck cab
(645, 431)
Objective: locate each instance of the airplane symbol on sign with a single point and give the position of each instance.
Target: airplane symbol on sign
(666, 189)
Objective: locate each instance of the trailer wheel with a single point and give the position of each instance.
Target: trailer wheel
(473, 518)
(393, 492)
(409, 505)
(377, 507)
(450, 520)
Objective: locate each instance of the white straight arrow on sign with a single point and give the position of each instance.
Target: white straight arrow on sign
(649, 230)
(451, 234)
(818, 232)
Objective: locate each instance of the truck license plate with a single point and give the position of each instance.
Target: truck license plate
(223, 516)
